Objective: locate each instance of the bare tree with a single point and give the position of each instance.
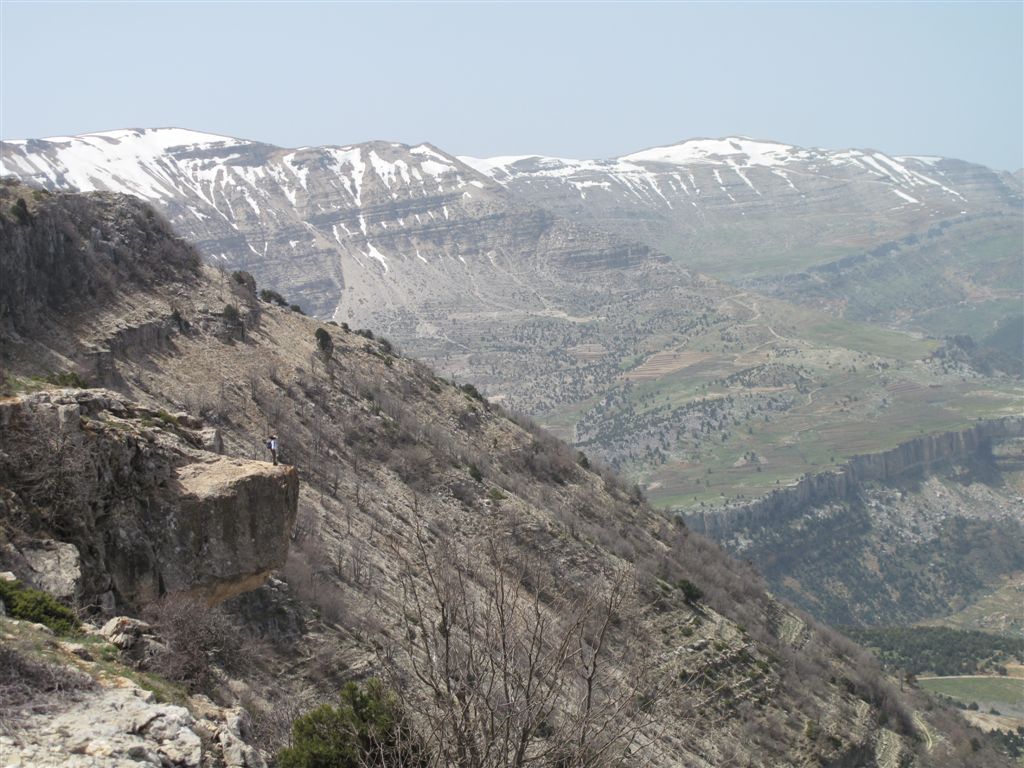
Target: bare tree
(504, 671)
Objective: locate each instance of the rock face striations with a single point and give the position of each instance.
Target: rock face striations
(898, 536)
(492, 268)
(406, 240)
(919, 456)
(134, 490)
(739, 206)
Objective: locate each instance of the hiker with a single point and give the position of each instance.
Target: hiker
(272, 445)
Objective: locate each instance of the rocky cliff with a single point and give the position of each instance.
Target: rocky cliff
(913, 533)
(920, 455)
(149, 509)
(78, 255)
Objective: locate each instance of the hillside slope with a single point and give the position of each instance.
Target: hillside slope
(411, 486)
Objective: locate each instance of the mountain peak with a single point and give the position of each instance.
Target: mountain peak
(753, 151)
(154, 138)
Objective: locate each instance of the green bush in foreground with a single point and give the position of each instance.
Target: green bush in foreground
(366, 728)
(29, 604)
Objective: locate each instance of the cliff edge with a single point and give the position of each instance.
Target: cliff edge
(141, 495)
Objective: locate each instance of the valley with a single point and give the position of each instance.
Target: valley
(717, 319)
(412, 493)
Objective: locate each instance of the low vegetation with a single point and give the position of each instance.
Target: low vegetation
(366, 729)
(940, 651)
(30, 684)
(196, 638)
(22, 602)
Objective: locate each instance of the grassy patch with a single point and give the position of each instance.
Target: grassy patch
(16, 385)
(987, 690)
(870, 339)
(999, 610)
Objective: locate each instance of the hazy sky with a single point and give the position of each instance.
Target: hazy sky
(570, 79)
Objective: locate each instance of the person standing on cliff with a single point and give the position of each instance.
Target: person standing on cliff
(272, 445)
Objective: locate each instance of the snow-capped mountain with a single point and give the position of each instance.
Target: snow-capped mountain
(706, 201)
(462, 259)
(309, 220)
(406, 240)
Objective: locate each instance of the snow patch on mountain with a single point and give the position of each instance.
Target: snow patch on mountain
(373, 253)
(132, 160)
(645, 176)
(752, 152)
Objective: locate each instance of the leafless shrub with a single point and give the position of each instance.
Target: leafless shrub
(414, 463)
(505, 672)
(49, 473)
(29, 686)
(196, 637)
(272, 724)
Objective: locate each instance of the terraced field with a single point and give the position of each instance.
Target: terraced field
(1001, 610)
(773, 392)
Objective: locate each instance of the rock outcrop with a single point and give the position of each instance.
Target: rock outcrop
(894, 537)
(116, 726)
(77, 252)
(148, 509)
(921, 454)
(121, 724)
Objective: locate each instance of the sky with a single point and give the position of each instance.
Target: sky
(585, 80)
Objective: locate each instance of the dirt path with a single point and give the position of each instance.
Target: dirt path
(924, 730)
(970, 677)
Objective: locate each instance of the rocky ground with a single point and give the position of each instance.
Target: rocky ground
(109, 715)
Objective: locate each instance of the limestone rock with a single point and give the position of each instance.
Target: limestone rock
(227, 729)
(113, 727)
(149, 511)
(124, 631)
(54, 567)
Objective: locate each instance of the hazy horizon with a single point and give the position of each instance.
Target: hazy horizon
(570, 80)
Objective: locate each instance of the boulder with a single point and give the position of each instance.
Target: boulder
(124, 631)
(53, 566)
(143, 509)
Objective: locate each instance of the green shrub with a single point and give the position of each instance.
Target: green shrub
(273, 297)
(473, 392)
(20, 211)
(691, 592)
(29, 604)
(324, 342)
(66, 379)
(475, 473)
(366, 728)
(231, 313)
(296, 308)
(179, 321)
(167, 418)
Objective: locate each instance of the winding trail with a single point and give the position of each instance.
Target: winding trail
(926, 732)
